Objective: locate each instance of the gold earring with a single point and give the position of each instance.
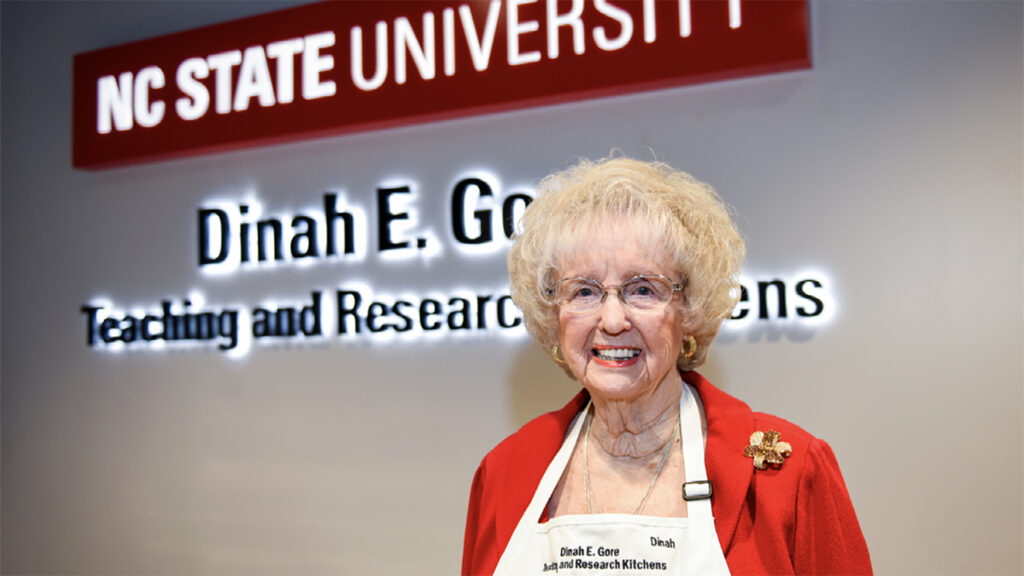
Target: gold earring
(554, 354)
(689, 347)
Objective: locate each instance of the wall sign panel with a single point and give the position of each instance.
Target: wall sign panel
(337, 67)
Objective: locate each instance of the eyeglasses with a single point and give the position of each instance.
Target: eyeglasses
(580, 295)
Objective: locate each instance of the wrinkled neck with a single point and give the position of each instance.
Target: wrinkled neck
(639, 427)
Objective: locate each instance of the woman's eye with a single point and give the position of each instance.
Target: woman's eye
(641, 290)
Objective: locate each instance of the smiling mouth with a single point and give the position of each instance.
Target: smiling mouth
(615, 354)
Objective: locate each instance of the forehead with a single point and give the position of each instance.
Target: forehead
(614, 250)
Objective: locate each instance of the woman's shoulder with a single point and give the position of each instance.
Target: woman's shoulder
(538, 440)
(728, 412)
(737, 432)
(506, 480)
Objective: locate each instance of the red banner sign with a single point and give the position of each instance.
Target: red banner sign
(336, 67)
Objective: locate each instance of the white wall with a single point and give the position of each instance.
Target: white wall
(894, 165)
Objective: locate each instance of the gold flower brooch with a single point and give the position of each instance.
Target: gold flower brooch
(766, 447)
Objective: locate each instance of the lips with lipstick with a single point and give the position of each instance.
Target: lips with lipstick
(615, 355)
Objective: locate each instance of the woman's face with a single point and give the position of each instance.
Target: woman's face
(617, 352)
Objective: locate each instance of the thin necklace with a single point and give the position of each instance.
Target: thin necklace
(586, 466)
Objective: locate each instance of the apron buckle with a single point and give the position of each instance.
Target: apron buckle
(697, 490)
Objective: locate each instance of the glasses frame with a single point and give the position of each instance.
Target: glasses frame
(676, 287)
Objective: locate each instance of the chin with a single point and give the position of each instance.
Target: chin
(616, 388)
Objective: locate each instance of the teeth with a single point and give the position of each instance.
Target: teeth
(617, 353)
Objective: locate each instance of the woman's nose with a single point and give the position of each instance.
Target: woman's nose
(613, 313)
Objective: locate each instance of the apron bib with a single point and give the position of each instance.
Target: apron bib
(590, 544)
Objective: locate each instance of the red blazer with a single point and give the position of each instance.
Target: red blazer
(794, 519)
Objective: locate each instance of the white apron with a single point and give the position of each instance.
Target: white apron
(590, 544)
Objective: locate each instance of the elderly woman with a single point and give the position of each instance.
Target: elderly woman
(624, 271)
